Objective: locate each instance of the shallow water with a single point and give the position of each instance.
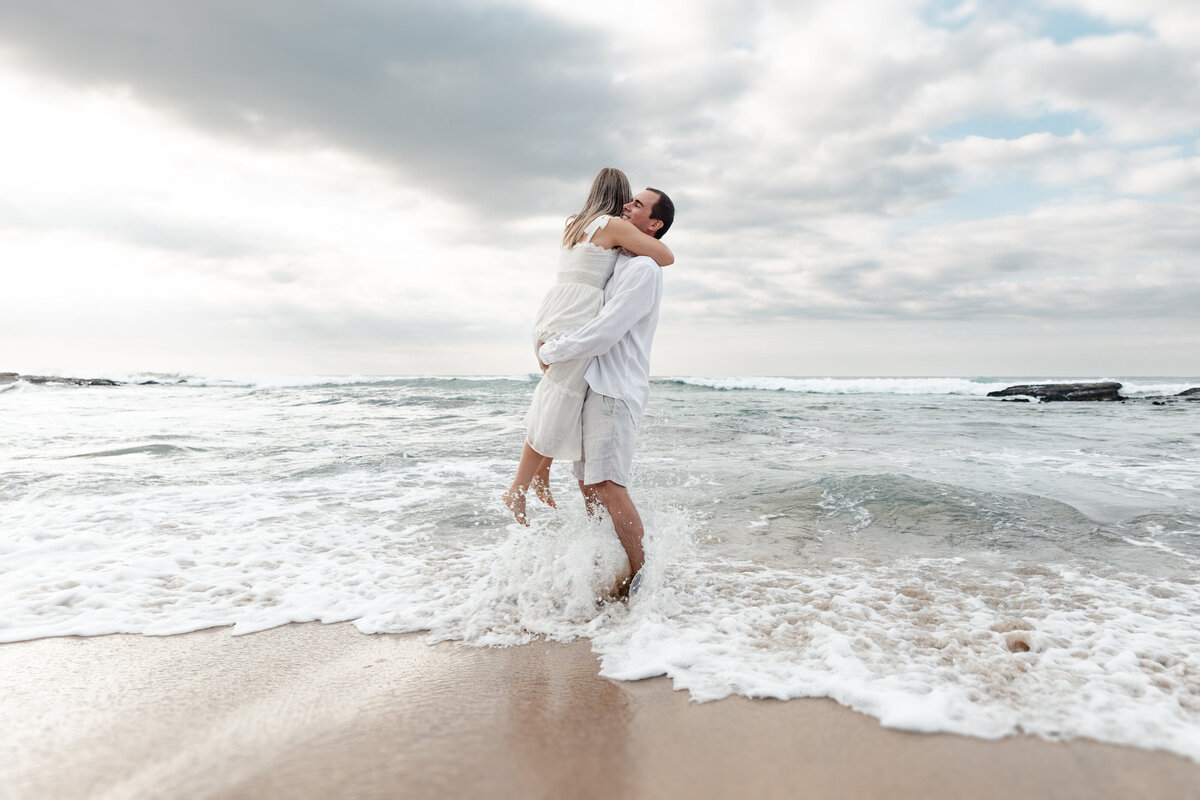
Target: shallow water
(908, 547)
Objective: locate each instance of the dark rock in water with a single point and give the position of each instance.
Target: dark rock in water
(1193, 392)
(55, 379)
(1047, 392)
(148, 383)
(8, 377)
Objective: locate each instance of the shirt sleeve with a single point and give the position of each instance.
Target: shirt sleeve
(633, 297)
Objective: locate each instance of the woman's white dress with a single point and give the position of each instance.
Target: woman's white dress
(553, 426)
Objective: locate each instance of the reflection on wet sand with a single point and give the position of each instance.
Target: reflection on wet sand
(319, 711)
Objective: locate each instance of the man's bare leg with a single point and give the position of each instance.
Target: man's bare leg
(514, 498)
(591, 500)
(541, 482)
(625, 518)
(593, 504)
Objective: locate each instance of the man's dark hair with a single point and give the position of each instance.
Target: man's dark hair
(663, 211)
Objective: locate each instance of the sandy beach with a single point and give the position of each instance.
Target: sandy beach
(320, 711)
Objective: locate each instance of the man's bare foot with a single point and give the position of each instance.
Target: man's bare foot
(619, 590)
(541, 489)
(515, 500)
(628, 587)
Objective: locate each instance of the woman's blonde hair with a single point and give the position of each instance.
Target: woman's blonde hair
(610, 192)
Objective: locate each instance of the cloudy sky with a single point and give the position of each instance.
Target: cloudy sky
(378, 186)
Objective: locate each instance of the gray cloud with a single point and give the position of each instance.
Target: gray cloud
(793, 173)
(492, 104)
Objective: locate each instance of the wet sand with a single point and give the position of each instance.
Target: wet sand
(322, 711)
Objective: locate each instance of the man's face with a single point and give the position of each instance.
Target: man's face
(637, 211)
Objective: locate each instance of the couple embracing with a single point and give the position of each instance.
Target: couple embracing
(593, 336)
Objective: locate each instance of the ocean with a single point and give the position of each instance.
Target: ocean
(912, 549)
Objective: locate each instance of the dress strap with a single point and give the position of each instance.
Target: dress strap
(595, 225)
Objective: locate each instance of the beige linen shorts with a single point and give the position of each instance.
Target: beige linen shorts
(608, 438)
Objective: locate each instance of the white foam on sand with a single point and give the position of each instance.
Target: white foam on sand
(933, 645)
(922, 644)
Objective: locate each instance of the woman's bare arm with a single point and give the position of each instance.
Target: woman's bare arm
(623, 233)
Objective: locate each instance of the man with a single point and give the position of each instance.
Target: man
(618, 340)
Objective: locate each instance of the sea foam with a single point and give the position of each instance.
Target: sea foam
(971, 387)
(946, 564)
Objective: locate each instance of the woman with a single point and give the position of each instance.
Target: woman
(589, 253)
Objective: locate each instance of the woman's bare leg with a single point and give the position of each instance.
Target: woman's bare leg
(541, 482)
(514, 498)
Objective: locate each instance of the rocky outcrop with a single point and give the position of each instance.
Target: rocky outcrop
(12, 377)
(1194, 393)
(1051, 392)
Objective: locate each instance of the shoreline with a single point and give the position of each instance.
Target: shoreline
(313, 710)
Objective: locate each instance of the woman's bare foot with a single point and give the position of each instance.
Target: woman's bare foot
(541, 489)
(515, 500)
